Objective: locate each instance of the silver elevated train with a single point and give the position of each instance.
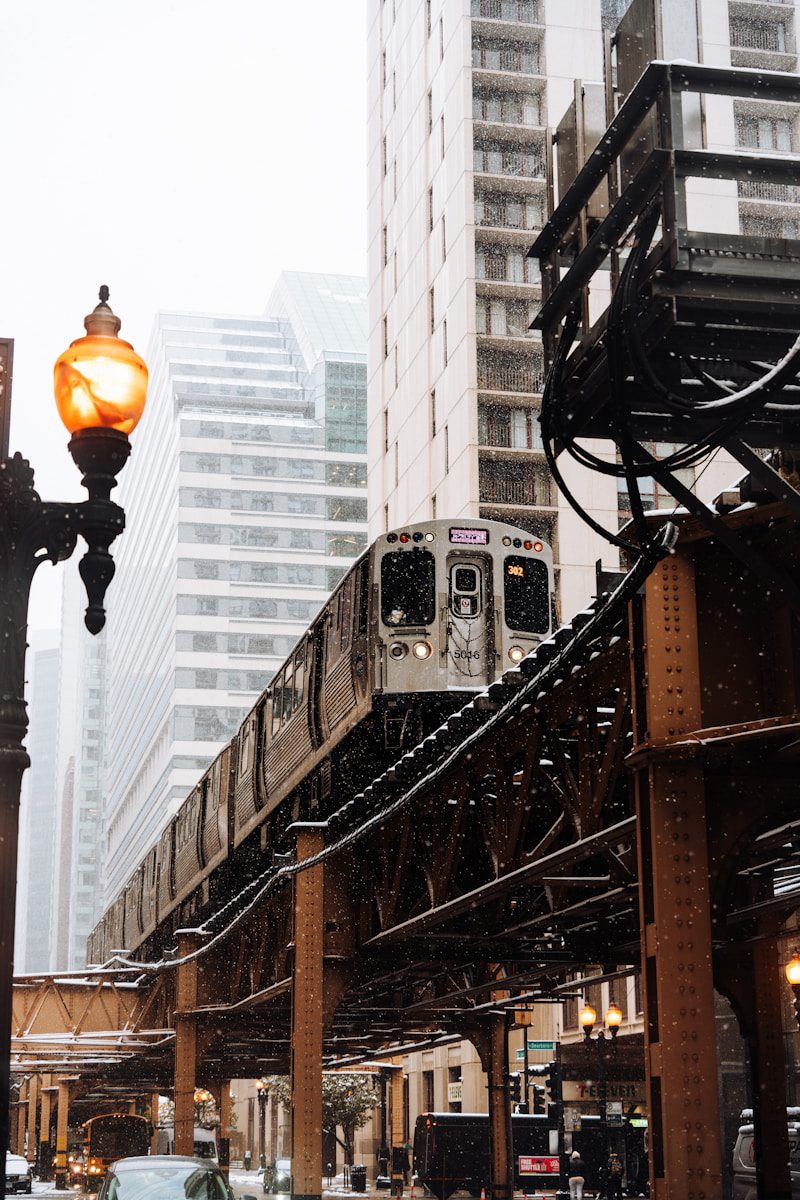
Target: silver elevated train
(428, 613)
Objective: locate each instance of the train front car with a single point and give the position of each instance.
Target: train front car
(458, 603)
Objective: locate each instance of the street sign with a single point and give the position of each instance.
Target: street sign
(614, 1112)
(534, 1045)
(539, 1164)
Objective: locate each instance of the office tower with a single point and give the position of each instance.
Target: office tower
(38, 811)
(245, 503)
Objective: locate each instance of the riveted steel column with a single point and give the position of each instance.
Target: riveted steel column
(62, 1129)
(45, 1156)
(154, 1123)
(398, 1132)
(21, 1115)
(33, 1100)
(680, 1035)
(495, 1064)
(768, 1072)
(225, 1127)
(307, 1017)
(185, 1045)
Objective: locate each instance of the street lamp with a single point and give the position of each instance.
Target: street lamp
(792, 970)
(100, 388)
(263, 1093)
(587, 1019)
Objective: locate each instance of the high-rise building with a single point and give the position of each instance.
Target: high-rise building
(38, 811)
(245, 500)
(461, 96)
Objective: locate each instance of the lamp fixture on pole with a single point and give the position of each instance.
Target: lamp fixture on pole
(100, 388)
(792, 970)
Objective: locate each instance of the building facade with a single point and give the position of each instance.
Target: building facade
(38, 812)
(245, 504)
(462, 97)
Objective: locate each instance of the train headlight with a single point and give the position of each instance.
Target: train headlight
(422, 649)
(398, 650)
(516, 654)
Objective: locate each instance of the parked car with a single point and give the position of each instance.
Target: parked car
(165, 1177)
(18, 1174)
(277, 1177)
(744, 1156)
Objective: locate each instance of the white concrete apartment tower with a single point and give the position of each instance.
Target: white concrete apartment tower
(461, 93)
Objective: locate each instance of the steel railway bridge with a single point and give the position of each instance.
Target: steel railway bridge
(625, 798)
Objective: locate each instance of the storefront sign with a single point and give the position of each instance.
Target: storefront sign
(546, 1164)
(454, 1092)
(588, 1089)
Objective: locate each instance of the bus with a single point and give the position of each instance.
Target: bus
(109, 1137)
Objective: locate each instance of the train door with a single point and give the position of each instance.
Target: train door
(470, 621)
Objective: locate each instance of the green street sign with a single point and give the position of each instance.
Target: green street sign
(535, 1046)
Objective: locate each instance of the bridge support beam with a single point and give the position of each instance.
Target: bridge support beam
(398, 1131)
(45, 1154)
(225, 1127)
(33, 1103)
(62, 1129)
(489, 1036)
(307, 1016)
(185, 1045)
(680, 1034)
(154, 1123)
(22, 1110)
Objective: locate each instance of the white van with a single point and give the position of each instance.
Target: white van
(205, 1142)
(744, 1156)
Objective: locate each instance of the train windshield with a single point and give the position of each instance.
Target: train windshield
(408, 588)
(527, 596)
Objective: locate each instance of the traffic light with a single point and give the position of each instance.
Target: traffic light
(552, 1081)
(538, 1098)
(515, 1087)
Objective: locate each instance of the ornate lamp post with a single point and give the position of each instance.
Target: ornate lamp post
(792, 970)
(587, 1019)
(100, 389)
(263, 1092)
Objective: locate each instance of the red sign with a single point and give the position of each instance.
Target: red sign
(547, 1164)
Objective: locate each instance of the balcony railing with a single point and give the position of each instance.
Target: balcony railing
(509, 162)
(759, 35)
(520, 58)
(777, 193)
(512, 483)
(500, 377)
(522, 12)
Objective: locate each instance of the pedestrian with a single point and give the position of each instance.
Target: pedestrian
(577, 1173)
(614, 1176)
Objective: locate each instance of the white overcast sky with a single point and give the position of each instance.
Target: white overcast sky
(182, 151)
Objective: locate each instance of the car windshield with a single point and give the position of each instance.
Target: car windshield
(166, 1181)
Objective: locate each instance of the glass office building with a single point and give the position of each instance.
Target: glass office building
(245, 501)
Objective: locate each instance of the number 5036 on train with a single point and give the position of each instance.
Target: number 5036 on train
(429, 614)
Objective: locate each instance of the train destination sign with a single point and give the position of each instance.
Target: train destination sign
(469, 537)
(539, 1164)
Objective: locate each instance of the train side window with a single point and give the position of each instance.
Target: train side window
(362, 599)
(408, 588)
(287, 694)
(299, 676)
(347, 612)
(527, 594)
(277, 704)
(244, 750)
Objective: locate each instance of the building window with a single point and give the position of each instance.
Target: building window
(503, 318)
(386, 431)
(446, 450)
(431, 310)
(394, 178)
(507, 108)
(494, 54)
(433, 412)
(653, 495)
(444, 342)
(384, 157)
(383, 69)
(500, 158)
(499, 372)
(506, 427)
(430, 111)
(747, 33)
(428, 17)
(764, 133)
(394, 91)
(394, 265)
(441, 39)
(433, 507)
(386, 518)
(516, 482)
(396, 369)
(385, 337)
(444, 240)
(504, 211)
(428, 1101)
(430, 210)
(385, 245)
(396, 464)
(441, 133)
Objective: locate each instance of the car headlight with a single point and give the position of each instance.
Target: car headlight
(422, 649)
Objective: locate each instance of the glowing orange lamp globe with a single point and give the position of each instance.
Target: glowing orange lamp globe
(100, 381)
